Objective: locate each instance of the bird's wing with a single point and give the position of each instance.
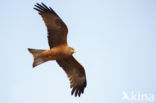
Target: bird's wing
(57, 29)
(76, 74)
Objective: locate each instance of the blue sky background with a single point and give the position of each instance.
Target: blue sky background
(115, 40)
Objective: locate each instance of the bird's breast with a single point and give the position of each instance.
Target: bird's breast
(55, 54)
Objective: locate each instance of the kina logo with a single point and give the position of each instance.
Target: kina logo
(134, 96)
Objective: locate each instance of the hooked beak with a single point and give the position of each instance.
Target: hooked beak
(74, 51)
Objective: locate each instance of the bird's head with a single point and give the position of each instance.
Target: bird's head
(72, 50)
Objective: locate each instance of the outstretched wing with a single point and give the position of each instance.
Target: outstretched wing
(57, 29)
(76, 74)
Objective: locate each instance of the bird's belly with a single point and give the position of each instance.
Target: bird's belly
(48, 55)
(54, 55)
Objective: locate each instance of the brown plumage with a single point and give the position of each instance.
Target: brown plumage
(59, 49)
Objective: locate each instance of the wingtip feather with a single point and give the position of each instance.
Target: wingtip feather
(43, 8)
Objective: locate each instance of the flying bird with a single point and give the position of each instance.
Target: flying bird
(59, 49)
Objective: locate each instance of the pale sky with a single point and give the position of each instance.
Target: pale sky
(115, 42)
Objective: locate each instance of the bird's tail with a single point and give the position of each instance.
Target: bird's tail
(37, 57)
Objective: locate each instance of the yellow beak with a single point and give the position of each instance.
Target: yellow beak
(74, 51)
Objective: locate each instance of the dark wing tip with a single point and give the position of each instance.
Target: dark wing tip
(42, 8)
(78, 90)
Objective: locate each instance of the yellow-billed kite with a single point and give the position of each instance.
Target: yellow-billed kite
(59, 49)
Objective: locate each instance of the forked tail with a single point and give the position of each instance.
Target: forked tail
(36, 54)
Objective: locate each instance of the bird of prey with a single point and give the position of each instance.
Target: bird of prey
(59, 49)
